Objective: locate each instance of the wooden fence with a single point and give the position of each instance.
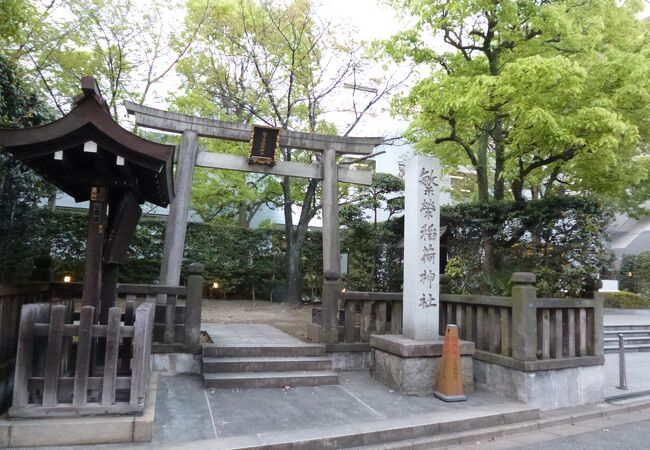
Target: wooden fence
(525, 332)
(12, 298)
(177, 325)
(65, 368)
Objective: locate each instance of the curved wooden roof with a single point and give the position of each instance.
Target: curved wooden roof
(122, 159)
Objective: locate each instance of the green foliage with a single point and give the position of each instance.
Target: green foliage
(635, 273)
(561, 240)
(625, 300)
(374, 248)
(20, 188)
(244, 262)
(540, 97)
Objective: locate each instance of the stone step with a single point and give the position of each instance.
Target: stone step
(266, 364)
(626, 333)
(629, 348)
(607, 328)
(269, 379)
(633, 340)
(246, 350)
(385, 433)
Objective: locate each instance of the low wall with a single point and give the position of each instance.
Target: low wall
(544, 389)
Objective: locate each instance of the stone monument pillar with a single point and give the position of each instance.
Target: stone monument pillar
(421, 248)
(410, 362)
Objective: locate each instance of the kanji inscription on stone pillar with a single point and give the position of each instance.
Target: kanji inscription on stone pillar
(421, 248)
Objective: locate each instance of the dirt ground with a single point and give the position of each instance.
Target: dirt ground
(289, 318)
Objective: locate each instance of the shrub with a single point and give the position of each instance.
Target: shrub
(635, 273)
(625, 300)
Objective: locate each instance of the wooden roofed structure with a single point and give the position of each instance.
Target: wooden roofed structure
(89, 156)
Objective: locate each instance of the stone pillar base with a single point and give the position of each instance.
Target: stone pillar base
(411, 366)
(544, 389)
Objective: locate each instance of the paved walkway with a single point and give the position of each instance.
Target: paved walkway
(187, 412)
(248, 334)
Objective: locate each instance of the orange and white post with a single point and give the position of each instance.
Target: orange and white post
(449, 386)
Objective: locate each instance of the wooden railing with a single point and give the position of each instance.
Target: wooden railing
(177, 325)
(525, 332)
(369, 313)
(65, 368)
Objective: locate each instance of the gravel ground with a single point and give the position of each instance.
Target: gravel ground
(291, 319)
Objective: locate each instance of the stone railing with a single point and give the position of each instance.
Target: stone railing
(369, 313)
(525, 332)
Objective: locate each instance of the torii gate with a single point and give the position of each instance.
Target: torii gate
(191, 127)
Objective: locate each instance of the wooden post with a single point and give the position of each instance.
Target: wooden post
(110, 362)
(170, 269)
(94, 246)
(53, 356)
(82, 367)
(331, 249)
(109, 290)
(193, 304)
(24, 355)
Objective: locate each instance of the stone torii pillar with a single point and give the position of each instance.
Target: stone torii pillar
(331, 249)
(170, 268)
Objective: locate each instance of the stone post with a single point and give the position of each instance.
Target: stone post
(331, 249)
(170, 268)
(193, 303)
(524, 316)
(421, 248)
(599, 304)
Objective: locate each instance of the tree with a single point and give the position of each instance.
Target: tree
(20, 188)
(258, 61)
(539, 97)
(385, 194)
(124, 44)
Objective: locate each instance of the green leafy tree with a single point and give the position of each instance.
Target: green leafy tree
(270, 63)
(544, 97)
(126, 45)
(20, 188)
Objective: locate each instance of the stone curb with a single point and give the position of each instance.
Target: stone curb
(556, 419)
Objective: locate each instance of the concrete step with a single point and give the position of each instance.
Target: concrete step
(628, 348)
(269, 379)
(266, 364)
(246, 350)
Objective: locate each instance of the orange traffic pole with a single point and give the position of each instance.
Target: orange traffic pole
(449, 386)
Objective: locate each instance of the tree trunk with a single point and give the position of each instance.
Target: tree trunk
(482, 167)
(296, 238)
(499, 160)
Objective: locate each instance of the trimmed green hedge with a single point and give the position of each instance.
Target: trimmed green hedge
(625, 300)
